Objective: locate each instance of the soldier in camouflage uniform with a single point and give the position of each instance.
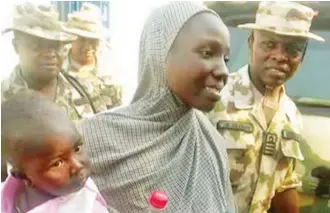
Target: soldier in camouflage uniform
(261, 124)
(87, 65)
(39, 43)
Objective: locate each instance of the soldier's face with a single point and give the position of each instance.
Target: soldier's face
(196, 70)
(84, 50)
(273, 58)
(41, 59)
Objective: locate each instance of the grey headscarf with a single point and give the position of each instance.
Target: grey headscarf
(157, 142)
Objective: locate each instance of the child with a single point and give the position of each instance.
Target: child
(50, 167)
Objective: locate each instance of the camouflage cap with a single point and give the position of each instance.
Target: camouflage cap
(86, 23)
(284, 18)
(39, 20)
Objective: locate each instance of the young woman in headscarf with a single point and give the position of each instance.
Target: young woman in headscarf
(162, 140)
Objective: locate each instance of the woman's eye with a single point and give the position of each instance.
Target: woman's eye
(226, 59)
(78, 148)
(206, 54)
(57, 163)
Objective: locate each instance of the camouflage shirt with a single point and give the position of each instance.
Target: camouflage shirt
(102, 92)
(64, 95)
(262, 157)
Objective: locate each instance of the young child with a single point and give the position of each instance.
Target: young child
(50, 167)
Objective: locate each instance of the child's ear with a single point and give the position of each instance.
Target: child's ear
(20, 175)
(17, 174)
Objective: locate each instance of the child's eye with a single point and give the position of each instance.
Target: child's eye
(78, 148)
(58, 163)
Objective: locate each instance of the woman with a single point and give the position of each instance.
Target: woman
(162, 140)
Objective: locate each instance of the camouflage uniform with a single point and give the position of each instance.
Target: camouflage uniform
(262, 157)
(16, 83)
(100, 89)
(103, 92)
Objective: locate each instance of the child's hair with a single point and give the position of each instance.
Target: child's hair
(26, 119)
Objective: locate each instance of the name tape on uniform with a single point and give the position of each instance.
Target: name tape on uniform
(235, 125)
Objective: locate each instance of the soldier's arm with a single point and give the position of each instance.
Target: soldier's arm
(286, 197)
(114, 89)
(286, 201)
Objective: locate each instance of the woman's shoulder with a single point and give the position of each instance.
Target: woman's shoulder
(107, 125)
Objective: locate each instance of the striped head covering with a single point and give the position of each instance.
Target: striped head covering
(157, 142)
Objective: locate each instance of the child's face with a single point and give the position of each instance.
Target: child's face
(60, 167)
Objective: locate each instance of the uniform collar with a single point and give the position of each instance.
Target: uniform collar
(244, 97)
(17, 78)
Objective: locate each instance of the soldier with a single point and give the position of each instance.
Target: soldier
(260, 123)
(39, 42)
(86, 62)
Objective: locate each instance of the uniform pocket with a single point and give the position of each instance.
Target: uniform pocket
(240, 142)
(241, 156)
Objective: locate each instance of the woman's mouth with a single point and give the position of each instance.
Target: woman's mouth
(213, 93)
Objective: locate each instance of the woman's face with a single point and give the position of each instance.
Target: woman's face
(196, 70)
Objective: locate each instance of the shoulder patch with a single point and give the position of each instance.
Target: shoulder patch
(290, 135)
